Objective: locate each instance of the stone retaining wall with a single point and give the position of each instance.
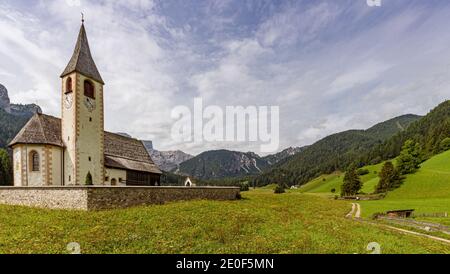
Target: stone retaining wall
(106, 197)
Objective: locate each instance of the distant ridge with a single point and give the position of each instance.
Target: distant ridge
(334, 152)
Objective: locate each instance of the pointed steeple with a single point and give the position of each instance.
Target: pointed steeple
(81, 60)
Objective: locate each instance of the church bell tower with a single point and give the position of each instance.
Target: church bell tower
(82, 122)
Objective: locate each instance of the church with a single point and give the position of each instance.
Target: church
(75, 150)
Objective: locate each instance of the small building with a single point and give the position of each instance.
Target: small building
(406, 213)
(188, 182)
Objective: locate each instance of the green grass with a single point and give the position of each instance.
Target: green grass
(325, 183)
(426, 191)
(262, 222)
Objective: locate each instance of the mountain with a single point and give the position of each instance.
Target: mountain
(334, 152)
(148, 145)
(167, 160)
(429, 132)
(16, 109)
(4, 99)
(12, 117)
(279, 157)
(220, 164)
(223, 163)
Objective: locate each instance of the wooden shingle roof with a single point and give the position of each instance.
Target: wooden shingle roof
(40, 129)
(120, 151)
(82, 61)
(127, 153)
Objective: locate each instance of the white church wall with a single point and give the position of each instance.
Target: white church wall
(90, 134)
(34, 178)
(117, 174)
(49, 172)
(17, 165)
(56, 166)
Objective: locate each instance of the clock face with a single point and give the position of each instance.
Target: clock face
(68, 100)
(89, 103)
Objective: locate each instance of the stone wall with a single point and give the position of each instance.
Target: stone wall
(47, 197)
(105, 197)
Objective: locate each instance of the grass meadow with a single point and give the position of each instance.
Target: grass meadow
(261, 222)
(426, 191)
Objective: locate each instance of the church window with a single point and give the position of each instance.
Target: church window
(69, 85)
(89, 89)
(106, 179)
(90, 119)
(90, 159)
(113, 182)
(34, 161)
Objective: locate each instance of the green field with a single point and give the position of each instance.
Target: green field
(262, 222)
(426, 191)
(325, 183)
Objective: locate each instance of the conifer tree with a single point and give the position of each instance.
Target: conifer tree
(352, 184)
(5, 168)
(390, 178)
(88, 181)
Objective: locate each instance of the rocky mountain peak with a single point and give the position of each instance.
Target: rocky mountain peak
(16, 109)
(4, 98)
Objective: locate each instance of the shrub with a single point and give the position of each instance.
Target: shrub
(410, 158)
(445, 144)
(244, 186)
(88, 181)
(333, 190)
(363, 171)
(279, 189)
(6, 177)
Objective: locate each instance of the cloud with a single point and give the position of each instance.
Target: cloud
(328, 65)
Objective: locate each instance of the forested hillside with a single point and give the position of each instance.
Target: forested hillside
(334, 152)
(430, 132)
(10, 125)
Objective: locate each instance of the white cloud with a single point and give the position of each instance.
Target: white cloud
(329, 66)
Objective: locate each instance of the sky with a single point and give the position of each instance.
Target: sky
(328, 65)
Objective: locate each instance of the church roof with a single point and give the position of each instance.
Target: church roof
(40, 129)
(120, 151)
(127, 153)
(81, 60)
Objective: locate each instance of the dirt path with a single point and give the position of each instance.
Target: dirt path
(350, 214)
(418, 234)
(358, 211)
(355, 212)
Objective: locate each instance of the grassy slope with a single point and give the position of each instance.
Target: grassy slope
(262, 222)
(323, 184)
(427, 191)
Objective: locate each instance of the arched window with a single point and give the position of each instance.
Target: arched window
(113, 182)
(89, 89)
(69, 85)
(34, 157)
